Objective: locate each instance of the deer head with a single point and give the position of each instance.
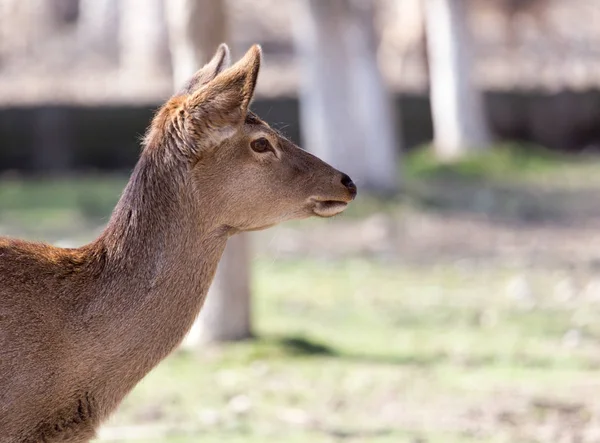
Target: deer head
(255, 176)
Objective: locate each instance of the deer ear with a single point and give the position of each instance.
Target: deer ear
(220, 61)
(223, 103)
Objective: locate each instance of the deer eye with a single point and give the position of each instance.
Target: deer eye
(261, 145)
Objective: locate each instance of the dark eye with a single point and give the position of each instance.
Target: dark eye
(261, 145)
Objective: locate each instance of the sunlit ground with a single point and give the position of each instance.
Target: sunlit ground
(466, 309)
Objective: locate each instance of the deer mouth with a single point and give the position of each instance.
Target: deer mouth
(329, 208)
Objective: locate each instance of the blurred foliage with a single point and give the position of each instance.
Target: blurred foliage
(54, 209)
(507, 160)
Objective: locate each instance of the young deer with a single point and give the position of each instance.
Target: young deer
(80, 327)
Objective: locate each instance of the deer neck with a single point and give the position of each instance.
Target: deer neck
(161, 256)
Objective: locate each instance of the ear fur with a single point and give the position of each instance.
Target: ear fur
(221, 105)
(220, 61)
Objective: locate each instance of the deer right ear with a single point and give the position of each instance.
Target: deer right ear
(220, 61)
(220, 107)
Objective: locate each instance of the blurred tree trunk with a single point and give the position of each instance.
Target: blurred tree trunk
(346, 113)
(196, 28)
(98, 29)
(27, 26)
(65, 11)
(460, 124)
(53, 131)
(143, 38)
(44, 21)
(41, 23)
(227, 315)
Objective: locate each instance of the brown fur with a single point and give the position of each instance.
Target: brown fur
(80, 327)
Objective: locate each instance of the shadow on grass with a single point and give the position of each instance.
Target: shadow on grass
(344, 434)
(302, 347)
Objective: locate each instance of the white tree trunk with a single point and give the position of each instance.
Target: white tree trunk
(143, 38)
(346, 114)
(196, 28)
(372, 102)
(98, 29)
(226, 315)
(25, 26)
(457, 108)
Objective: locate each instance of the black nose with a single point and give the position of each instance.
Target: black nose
(349, 184)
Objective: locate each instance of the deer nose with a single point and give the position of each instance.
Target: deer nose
(349, 184)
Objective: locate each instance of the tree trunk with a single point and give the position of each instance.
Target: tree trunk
(143, 39)
(226, 315)
(196, 28)
(372, 104)
(53, 147)
(460, 125)
(98, 29)
(346, 114)
(26, 26)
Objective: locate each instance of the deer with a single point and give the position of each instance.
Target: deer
(80, 327)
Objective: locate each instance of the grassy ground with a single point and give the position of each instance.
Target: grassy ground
(463, 310)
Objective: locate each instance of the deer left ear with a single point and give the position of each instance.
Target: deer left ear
(223, 102)
(220, 61)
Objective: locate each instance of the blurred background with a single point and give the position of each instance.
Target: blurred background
(458, 298)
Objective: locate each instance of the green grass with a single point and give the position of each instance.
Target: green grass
(365, 350)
